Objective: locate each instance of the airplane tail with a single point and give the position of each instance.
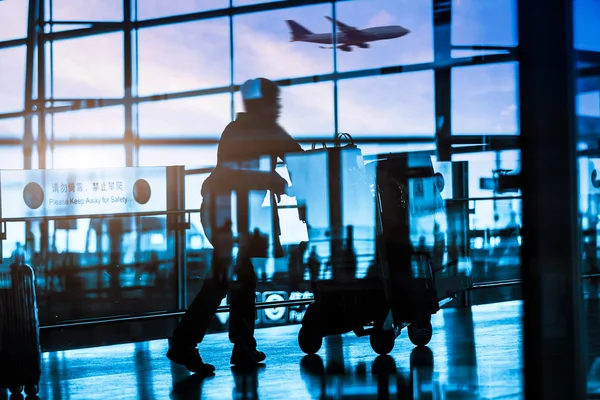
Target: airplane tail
(297, 30)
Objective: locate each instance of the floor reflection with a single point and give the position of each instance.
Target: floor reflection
(473, 354)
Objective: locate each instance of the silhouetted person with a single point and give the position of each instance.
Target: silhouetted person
(253, 134)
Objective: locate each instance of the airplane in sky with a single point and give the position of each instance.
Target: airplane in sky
(347, 35)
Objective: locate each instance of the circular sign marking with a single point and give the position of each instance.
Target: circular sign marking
(33, 195)
(277, 313)
(141, 191)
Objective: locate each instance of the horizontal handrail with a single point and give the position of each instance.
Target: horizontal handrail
(165, 314)
(102, 216)
(260, 305)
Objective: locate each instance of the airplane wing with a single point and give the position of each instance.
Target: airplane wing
(343, 27)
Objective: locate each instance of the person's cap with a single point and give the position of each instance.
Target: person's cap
(259, 88)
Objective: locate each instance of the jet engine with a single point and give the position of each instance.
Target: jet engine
(364, 45)
(345, 48)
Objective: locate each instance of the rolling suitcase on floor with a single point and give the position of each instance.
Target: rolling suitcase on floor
(20, 354)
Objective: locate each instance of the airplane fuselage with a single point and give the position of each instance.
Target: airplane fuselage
(360, 37)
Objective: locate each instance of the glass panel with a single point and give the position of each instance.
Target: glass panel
(262, 44)
(490, 22)
(198, 56)
(12, 128)
(588, 104)
(396, 33)
(495, 221)
(87, 10)
(147, 9)
(89, 67)
(87, 157)
(249, 2)
(11, 157)
(586, 27)
(298, 102)
(484, 99)
(390, 105)
(191, 156)
(13, 19)
(103, 122)
(12, 78)
(104, 267)
(204, 116)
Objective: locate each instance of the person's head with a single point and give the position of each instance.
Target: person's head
(261, 96)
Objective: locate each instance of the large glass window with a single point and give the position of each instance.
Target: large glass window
(86, 10)
(103, 122)
(401, 104)
(396, 32)
(175, 58)
(263, 46)
(12, 78)
(484, 99)
(11, 157)
(204, 116)
(107, 156)
(13, 19)
(189, 156)
(586, 26)
(490, 22)
(147, 9)
(88, 67)
(11, 128)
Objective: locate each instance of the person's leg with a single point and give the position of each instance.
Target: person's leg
(243, 316)
(193, 325)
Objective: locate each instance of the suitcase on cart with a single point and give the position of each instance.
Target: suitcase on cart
(20, 353)
(400, 290)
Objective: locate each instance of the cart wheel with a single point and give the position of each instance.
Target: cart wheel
(32, 390)
(309, 342)
(382, 341)
(420, 333)
(15, 389)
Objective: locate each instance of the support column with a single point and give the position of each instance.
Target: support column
(552, 318)
(442, 18)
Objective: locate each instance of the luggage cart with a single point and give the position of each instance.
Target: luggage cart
(399, 197)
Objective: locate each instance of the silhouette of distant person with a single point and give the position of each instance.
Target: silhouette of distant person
(254, 133)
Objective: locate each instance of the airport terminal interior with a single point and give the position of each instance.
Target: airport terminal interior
(433, 236)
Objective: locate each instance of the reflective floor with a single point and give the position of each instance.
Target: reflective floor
(473, 354)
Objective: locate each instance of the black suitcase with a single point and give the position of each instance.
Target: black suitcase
(20, 353)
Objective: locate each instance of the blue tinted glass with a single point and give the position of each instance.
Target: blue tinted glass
(401, 105)
(587, 24)
(396, 32)
(588, 104)
(490, 22)
(484, 99)
(262, 44)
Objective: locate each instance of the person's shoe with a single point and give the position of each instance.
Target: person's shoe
(190, 358)
(247, 358)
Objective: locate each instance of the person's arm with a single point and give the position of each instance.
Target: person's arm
(286, 144)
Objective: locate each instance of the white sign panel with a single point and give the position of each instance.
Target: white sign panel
(71, 192)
